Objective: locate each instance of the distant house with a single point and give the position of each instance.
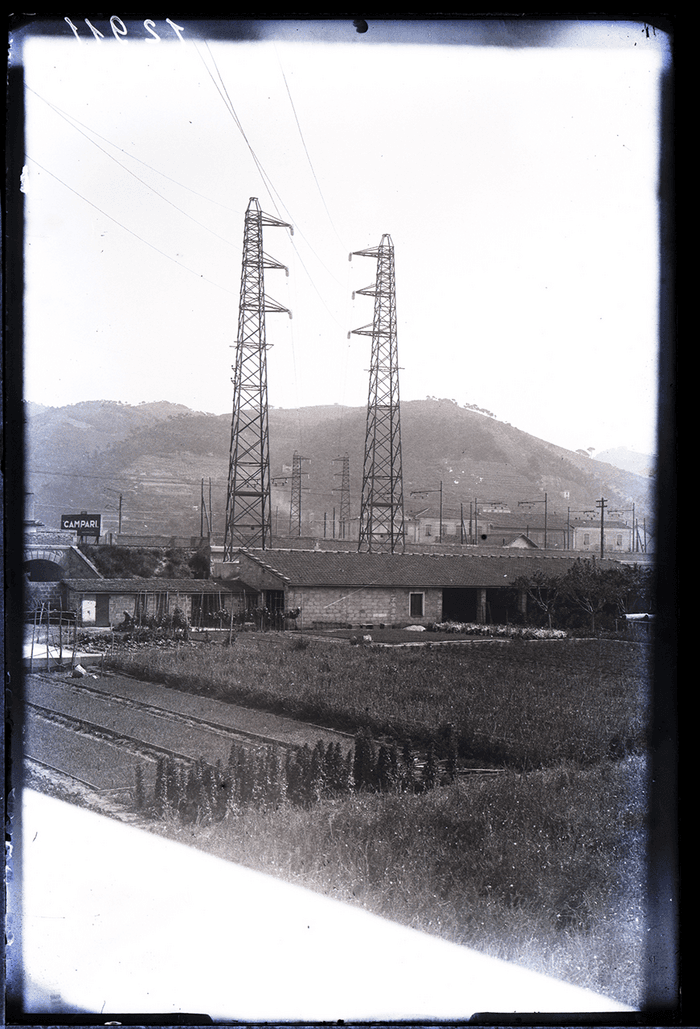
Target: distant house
(520, 542)
(361, 589)
(617, 537)
(458, 525)
(105, 602)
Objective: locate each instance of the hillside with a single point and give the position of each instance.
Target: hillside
(156, 455)
(631, 460)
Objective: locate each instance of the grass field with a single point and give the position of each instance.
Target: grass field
(542, 863)
(519, 705)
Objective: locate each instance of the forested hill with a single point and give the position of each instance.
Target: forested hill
(83, 456)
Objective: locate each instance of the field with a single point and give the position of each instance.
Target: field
(520, 705)
(542, 861)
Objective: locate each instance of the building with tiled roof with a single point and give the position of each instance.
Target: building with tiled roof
(361, 589)
(105, 602)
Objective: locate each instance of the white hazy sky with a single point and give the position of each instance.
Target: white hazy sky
(518, 184)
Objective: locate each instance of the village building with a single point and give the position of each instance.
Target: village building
(368, 589)
(617, 537)
(110, 602)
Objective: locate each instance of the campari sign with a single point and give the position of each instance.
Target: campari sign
(84, 524)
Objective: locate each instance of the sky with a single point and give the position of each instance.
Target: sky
(514, 165)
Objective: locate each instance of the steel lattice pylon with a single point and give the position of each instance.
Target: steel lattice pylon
(248, 503)
(295, 498)
(344, 526)
(382, 527)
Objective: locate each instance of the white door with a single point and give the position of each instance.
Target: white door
(88, 612)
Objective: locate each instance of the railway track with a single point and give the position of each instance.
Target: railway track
(97, 732)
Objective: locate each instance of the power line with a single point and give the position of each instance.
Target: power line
(112, 478)
(143, 182)
(228, 103)
(306, 151)
(267, 181)
(126, 229)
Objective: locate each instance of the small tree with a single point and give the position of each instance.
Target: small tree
(364, 768)
(429, 775)
(159, 797)
(588, 588)
(407, 767)
(139, 794)
(543, 590)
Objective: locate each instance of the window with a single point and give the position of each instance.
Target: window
(415, 604)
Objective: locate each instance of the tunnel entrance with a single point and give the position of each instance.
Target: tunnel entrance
(41, 570)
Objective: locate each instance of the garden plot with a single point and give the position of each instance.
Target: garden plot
(98, 764)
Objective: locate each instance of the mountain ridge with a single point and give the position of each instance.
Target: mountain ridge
(82, 456)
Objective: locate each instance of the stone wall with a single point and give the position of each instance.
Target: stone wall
(357, 607)
(38, 593)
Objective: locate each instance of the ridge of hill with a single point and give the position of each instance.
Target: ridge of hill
(157, 455)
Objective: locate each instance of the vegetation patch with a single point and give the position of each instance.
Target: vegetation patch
(541, 862)
(544, 868)
(511, 706)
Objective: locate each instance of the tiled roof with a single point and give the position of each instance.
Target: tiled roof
(146, 585)
(319, 568)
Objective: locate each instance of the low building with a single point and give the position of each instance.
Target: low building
(362, 589)
(109, 602)
(617, 537)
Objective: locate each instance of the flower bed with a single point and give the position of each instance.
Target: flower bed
(521, 632)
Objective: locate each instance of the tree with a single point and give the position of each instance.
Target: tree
(139, 794)
(543, 590)
(588, 588)
(364, 768)
(429, 774)
(159, 789)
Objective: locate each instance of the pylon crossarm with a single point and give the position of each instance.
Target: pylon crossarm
(369, 252)
(272, 305)
(267, 219)
(272, 262)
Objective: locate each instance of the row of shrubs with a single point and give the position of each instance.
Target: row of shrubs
(522, 632)
(264, 778)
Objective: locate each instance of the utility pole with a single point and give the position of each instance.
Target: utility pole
(248, 502)
(382, 524)
(204, 514)
(295, 500)
(569, 513)
(425, 492)
(108, 489)
(602, 504)
(344, 524)
(528, 502)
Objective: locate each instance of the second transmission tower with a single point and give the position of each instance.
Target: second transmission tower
(344, 528)
(248, 503)
(295, 499)
(382, 527)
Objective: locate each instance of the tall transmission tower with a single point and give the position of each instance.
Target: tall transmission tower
(295, 500)
(344, 526)
(248, 502)
(382, 527)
